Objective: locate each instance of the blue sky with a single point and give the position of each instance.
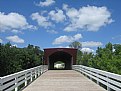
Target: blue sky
(57, 23)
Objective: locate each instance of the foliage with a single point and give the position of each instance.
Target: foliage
(76, 45)
(107, 58)
(13, 59)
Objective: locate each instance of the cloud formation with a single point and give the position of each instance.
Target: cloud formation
(1, 41)
(13, 21)
(57, 15)
(15, 39)
(90, 18)
(16, 31)
(67, 39)
(87, 50)
(91, 44)
(41, 20)
(52, 31)
(86, 18)
(117, 37)
(46, 3)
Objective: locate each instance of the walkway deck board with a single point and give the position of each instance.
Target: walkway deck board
(63, 80)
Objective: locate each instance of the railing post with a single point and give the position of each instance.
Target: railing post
(31, 76)
(91, 79)
(35, 73)
(108, 88)
(26, 79)
(1, 84)
(97, 78)
(98, 82)
(41, 70)
(38, 71)
(16, 88)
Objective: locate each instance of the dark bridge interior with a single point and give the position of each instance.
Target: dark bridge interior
(60, 56)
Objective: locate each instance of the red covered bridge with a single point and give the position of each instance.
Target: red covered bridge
(66, 55)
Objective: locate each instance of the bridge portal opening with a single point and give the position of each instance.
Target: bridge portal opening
(60, 56)
(59, 65)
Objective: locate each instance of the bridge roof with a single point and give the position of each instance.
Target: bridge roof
(60, 48)
(50, 51)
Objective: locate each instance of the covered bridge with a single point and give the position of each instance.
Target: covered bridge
(65, 55)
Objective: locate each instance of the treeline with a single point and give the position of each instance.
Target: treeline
(107, 58)
(13, 59)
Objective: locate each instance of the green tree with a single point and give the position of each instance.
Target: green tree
(13, 59)
(76, 45)
(79, 57)
(107, 58)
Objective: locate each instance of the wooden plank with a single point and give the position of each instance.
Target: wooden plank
(63, 80)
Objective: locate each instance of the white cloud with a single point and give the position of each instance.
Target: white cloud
(67, 39)
(52, 31)
(91, 18)
(41, 20)
(87, 50)
(91, 44)
(13, 21)
(1, 41)
(71, 12)
(16, 31)
(15, 39)
(77, 37)
(62, 47)
(59, 47)
(65, 6)
(15, 45)
(46, 3)
(118, 37)
(57, 16)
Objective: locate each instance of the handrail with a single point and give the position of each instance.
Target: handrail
(25, 77)
(110, 80)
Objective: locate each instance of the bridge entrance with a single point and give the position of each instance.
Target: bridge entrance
(60, 58)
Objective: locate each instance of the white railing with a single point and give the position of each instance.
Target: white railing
(19, 80)
(110, 80)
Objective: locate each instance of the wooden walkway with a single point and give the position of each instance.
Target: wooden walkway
(63, 80)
